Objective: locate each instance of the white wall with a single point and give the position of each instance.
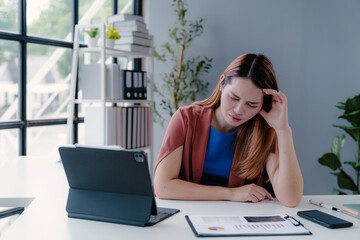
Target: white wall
(314, 47)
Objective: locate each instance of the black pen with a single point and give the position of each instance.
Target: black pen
(320, 204)
(11, 212)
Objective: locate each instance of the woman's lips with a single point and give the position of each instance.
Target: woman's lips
(235, 119)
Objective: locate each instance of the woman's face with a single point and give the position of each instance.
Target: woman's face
(240, 101)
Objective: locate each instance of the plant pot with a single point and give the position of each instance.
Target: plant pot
(109, 43)
(92, 42)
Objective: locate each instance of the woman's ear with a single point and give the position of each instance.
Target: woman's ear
(222, 77)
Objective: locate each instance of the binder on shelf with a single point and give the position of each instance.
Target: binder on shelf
(140, 85)
(142, 127)
(129, 128)
(147, 126)
(127, 84)
(123, 127)
(144, 85)
(133, 84)
(134, 128)
(139, 122)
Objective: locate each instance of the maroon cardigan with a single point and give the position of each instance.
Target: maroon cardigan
(189, 127)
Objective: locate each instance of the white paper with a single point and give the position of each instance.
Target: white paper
(245, 225)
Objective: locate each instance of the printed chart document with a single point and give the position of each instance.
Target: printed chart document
(245, 225)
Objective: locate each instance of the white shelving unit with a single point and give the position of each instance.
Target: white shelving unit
(104, 53)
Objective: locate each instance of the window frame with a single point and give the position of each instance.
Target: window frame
(23, 39)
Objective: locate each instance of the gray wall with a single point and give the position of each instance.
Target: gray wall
(314, 47)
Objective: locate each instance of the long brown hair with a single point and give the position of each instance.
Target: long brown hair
(255, 139)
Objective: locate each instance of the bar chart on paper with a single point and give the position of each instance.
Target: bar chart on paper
(257, 225)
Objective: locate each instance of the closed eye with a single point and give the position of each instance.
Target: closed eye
(251, 105)
(234, 97)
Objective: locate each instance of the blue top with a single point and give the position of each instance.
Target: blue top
(218, 159)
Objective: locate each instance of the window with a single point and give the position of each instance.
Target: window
(9, 18)
(36, 43)
(9, 88)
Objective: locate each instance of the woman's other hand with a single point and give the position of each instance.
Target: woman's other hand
(249, 193)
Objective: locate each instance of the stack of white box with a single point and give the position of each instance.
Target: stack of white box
(133, 31)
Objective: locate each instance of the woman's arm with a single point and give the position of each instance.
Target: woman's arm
(287, 180)
(168, 186)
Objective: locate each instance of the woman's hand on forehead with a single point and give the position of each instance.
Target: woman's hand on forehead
(277, 118)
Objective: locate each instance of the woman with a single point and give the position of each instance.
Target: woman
(228, 146)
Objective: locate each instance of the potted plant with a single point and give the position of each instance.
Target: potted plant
(111, 35)
(93, 36)
(182, 84)
(351, 113)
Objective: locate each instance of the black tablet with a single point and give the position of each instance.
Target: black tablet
(111, 185)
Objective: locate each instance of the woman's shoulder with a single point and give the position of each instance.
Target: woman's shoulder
(193, 114)
(194, 110)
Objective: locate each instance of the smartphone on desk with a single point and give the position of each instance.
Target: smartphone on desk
(324, 219)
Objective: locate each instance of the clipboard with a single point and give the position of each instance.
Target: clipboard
(245, 225)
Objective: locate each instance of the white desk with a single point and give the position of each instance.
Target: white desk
(46, 218)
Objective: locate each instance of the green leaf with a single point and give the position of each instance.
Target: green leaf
(355, 165)
(345, 181)
(352, 117)
(337, 145)
(338, 192)
(330, 160)
(112, 33)
(158, 56)
(188, 84)
(354, 132)
(352, 104)
(92, 32)
(341, 105)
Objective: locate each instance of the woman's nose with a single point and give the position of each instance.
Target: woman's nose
(239, 108)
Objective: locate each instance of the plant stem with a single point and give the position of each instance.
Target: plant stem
(177, 79)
